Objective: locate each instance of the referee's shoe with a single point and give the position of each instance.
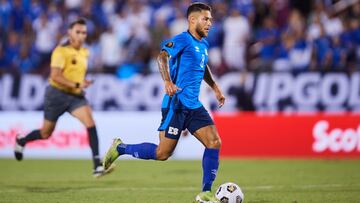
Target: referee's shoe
(18, 148)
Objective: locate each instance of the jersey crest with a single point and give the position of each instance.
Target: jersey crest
(169, 44)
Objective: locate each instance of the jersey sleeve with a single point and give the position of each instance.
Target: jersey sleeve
(57, 58)
(175, 45)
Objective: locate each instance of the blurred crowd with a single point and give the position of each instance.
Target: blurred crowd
(124, 36)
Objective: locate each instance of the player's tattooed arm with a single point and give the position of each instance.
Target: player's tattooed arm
(209, 79)
(163, 63)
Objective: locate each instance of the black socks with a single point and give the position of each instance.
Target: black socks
(34, 135)
(94, 145)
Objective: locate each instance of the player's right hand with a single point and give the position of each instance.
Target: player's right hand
(171, 88)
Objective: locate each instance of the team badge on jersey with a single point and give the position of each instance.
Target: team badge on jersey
(73, 61)
(169, 44)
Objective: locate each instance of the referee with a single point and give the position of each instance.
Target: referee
(65, 93)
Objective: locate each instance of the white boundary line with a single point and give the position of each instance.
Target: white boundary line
(196, 189)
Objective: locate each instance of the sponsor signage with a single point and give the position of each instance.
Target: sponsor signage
(269, 92)
(70, 139)
(278, 135)
(242, 134)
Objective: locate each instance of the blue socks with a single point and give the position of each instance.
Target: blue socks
(140, 151)
(210, 164)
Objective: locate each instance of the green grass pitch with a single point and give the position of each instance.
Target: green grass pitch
(262, 181)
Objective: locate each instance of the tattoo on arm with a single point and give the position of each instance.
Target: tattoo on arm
(208, 77)
(163, 63)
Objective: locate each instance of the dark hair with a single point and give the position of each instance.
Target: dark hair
(81, 21)
(196, 7)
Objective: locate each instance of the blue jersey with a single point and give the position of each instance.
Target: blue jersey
(188, 59)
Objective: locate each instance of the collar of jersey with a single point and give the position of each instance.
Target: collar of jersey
(194, 37)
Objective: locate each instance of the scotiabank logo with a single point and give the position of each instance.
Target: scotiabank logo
(335, 140)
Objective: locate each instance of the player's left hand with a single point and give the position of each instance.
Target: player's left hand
(171, 88)
(221, 98)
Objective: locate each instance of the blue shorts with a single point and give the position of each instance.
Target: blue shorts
(176, 120)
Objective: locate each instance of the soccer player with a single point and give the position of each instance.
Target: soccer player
(66, 93)
(183, 65)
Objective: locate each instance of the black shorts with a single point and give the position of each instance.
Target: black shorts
(57, 102)
(176, 120)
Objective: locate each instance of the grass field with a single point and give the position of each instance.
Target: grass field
(262, 181)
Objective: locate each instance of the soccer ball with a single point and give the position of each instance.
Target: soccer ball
(229, 193)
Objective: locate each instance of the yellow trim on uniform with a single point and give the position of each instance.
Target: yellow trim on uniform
(73, 63)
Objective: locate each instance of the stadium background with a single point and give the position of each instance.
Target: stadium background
(290, 127)
(289, 68)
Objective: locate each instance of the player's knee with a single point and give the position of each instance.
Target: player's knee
(215, 143)
(45, 134)
(162, 156)
(89, 123)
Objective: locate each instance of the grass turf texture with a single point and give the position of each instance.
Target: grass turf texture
(262, 181)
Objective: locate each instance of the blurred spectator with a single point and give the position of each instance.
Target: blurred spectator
(300, 55)
(24, 61)
(301, 52)
(215, 39)
(121, 25)
(280, 10)
(73, 5)
(108, 6)
(179, 24)
(94, 62)
(282, 60)
(35, 10)
(245, 7)
(267, 38)
(296, 36)
(322, 51)
(332, 25)
(236, 35)
(12, 48)
(338, 54)
(165, 11)
(354, 12)
(54, 16)
(351, 40)
(4, 62)
(314, 29)
(296, 24)
(138, 45)
(5, 13)
(110, 50)
(139, 17)
(91, 10)
(159, 33)
(17, 16)
(46, 37)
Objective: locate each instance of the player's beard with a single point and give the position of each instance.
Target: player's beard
(200, 31)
